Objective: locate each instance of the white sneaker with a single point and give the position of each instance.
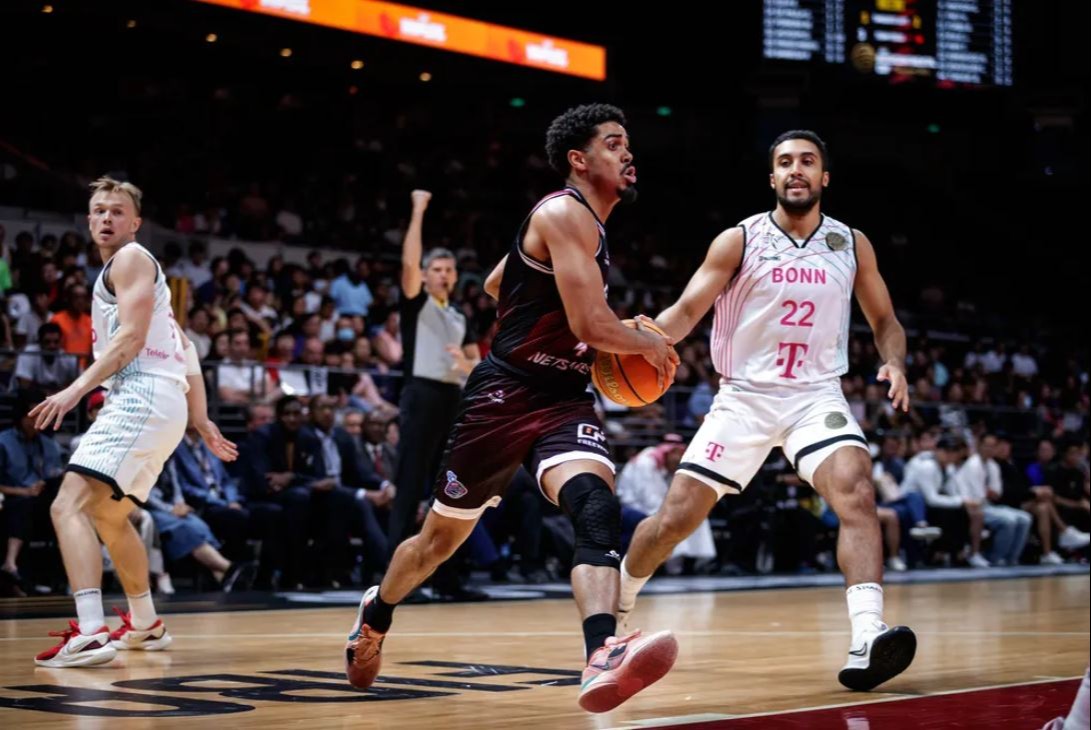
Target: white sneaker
(153, 638)
(1073, 539)
(928, 533)
(896, 564)
(164, 584)
(1051, 558)
(977, 560)
(76, 649)
(878, 656)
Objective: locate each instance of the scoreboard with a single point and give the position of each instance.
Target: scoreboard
(949, 42)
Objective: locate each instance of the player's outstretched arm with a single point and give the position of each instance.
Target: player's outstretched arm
(132, 274)
(874, 300)
(721, 262)
(413, 245)
(197, 404)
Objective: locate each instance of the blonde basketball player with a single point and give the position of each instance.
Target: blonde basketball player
(153, 378)
(782, 285)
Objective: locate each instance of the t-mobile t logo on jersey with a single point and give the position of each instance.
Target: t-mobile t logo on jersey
(795, 350)
(713, 451)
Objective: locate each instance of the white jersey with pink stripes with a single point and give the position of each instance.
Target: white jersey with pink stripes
(784, 318)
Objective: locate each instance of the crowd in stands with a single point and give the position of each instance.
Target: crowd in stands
(989, 466)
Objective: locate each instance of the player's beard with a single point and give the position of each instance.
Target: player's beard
(799, 207)
(628, 194)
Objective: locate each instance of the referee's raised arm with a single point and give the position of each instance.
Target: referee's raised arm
(412, 247)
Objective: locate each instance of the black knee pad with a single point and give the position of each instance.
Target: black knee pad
(596, 516)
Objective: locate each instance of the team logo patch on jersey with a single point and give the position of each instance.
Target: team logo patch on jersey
(836, 420)
(836, 241)
(455, 489)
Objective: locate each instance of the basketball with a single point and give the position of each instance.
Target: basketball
(629, 380)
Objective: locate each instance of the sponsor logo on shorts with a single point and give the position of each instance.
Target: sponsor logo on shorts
(590, 435)
(714, 451)
(455, 489)
(613, 555)
(836, 420)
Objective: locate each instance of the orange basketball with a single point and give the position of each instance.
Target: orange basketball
(627, 379)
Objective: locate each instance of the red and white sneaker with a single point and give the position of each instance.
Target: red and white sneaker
(128, 638)
(364, 650)
(76, 649)
(624, 666)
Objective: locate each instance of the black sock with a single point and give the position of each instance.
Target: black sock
(378, 614)
(597, 629)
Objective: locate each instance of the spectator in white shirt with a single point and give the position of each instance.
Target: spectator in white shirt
(979, 480)
(239, 381)
(1023, 363)
(931, 473)
(196, 269)
(45, 366)
(26, 326)
(642, 486)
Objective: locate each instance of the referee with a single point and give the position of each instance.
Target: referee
(440, 352)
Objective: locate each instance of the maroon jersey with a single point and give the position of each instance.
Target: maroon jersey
(534, 341)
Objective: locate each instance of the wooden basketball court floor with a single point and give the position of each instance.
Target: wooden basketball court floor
(993, 653)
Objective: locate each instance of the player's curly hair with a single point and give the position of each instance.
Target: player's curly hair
(575, 129)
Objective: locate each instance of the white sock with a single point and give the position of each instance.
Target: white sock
(1079, 716)
(142, 611)
(89, 610)
(865, 607)
(630, 586)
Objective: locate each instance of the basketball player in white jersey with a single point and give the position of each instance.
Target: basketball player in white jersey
(782, 284)
(153, 377)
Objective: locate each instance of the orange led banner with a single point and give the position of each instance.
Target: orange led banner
(438, 30)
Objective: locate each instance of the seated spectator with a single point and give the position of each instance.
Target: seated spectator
(352, 480)
(75, 323)
(979, 479)
(642, 486)
(932, 475)
(196, 268)
(1071, 488)
(350, 291)
(183, 533)
(1037, 500)
(238, 378)
(283, 465)
(45, 366)
(28, 323)
(198, 326)
(910, 512)
(1043, 463)
(387, 343)
(311, 380)
(256, 306)
(29, 462)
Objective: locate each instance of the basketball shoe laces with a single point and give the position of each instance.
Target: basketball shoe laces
(72, 630)
(367, 644)
(612, 652)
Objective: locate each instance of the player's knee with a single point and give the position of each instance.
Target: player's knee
(857, 498)
(596, 516)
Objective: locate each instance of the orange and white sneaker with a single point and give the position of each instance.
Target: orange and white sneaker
(128, 638)
(76, 649)
(364, 650)
(624, 666)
